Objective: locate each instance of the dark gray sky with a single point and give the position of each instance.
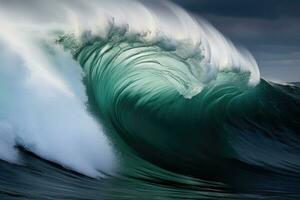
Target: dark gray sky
(270, 29)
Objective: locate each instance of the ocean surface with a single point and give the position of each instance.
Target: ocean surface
(127, 100)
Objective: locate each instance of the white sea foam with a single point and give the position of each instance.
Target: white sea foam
(43, 110)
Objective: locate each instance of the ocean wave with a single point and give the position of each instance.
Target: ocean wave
(99, 89)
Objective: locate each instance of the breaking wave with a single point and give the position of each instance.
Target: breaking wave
(99, 88)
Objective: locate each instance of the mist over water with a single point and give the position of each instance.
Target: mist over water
(123, 99)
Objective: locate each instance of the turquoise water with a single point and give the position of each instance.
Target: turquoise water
(138, 110)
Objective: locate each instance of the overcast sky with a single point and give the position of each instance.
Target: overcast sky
(270, 29)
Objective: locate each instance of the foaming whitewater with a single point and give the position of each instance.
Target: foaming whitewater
(43, 105)
(147, 97)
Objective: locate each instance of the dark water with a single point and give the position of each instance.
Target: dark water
(39, 179)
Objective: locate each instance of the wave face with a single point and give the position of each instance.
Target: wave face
(155, 101)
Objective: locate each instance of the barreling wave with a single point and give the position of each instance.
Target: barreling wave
(168, 89)
(163, 97)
